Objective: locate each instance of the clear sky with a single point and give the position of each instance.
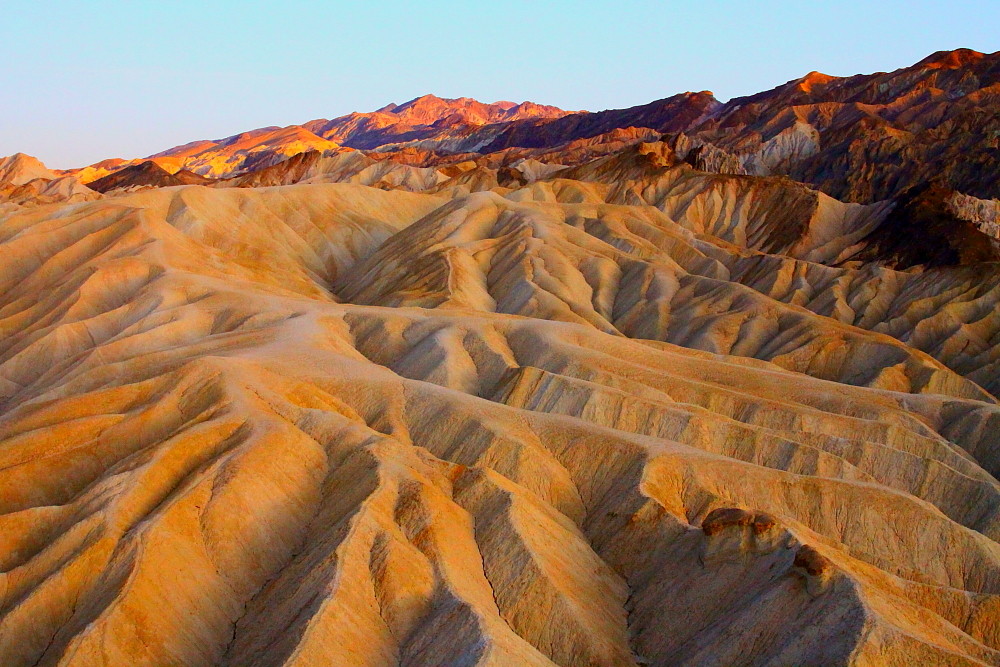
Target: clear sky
(87, 80)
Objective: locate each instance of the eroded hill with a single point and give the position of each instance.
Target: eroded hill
(328, 422)
(614, 401)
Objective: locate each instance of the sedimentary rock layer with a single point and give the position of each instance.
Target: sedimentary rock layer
(332, 424)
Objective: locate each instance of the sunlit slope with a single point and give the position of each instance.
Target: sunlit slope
(330, 424)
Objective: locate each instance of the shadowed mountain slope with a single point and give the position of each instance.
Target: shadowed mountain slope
(146, 174)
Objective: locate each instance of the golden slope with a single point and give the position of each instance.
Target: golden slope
(212, 451)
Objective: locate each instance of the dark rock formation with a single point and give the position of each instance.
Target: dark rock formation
(147, 174)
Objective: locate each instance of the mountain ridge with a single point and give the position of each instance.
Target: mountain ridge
(816, 129)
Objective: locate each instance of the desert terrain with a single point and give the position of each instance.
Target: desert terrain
(455, 383)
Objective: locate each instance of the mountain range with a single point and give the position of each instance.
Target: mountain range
(862, 138)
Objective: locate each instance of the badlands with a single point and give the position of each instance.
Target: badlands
(461, 384)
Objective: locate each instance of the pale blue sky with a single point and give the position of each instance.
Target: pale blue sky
(90, 80)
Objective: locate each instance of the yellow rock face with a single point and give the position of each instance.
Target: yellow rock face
(568, 424)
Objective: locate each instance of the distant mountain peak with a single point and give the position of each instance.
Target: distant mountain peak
(430, 109)
(20, 168)
(951, 59)
(814, 79)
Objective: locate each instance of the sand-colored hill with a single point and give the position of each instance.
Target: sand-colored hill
(341, 167)
(26, 182)
(337, 424)
(19, 169)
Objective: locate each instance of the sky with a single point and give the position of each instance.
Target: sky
(89, 80)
